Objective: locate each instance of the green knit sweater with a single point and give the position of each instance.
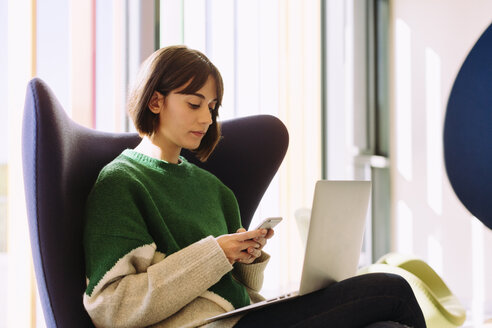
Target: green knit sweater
(139, 201)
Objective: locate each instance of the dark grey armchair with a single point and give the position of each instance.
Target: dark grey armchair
(61, 162)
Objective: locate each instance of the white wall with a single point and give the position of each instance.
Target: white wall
(430, 40)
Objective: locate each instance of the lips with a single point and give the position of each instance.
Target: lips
(198, 133)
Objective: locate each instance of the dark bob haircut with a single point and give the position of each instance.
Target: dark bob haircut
(166, 70)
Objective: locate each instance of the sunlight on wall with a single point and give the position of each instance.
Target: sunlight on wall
(434, 130)
(442, 230)
(434, 254)
(403, 99)
(404, 228)
(478, 269)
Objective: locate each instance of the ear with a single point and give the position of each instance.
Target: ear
(156, 102)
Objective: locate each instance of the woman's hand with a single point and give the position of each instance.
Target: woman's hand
(244, 246)
(262, 240)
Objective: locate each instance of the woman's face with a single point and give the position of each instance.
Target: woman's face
(184, 118)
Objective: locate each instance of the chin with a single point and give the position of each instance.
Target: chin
(191, 146)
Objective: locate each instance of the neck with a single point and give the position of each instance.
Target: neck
(148, 147)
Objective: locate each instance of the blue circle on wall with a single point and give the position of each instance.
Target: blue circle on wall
(468, 131)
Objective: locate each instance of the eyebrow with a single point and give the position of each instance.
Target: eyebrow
(200, 96)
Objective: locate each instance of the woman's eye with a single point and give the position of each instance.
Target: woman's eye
(194, 106)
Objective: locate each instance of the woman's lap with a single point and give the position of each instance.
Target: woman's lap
(355, 302)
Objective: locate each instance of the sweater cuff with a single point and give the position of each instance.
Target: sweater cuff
(251, 275)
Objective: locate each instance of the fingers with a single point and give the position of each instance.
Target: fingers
(249, 250)
(248, 256)
(251, 253)
(236, 249)
(261, 233)
(263, 240)
(256, 252)
(244, 246)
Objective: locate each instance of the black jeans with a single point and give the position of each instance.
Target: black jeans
(375, 300)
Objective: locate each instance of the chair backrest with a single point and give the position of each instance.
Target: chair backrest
(61, 162)
(468, 131)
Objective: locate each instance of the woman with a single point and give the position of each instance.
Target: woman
(163, 241)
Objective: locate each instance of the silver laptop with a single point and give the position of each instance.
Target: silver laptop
(334, 240)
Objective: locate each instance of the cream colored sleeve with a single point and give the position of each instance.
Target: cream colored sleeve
(251, 275)
(145, 287)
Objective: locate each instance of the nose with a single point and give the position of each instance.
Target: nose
(205, 115)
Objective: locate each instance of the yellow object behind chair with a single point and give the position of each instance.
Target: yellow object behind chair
(440, 306)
